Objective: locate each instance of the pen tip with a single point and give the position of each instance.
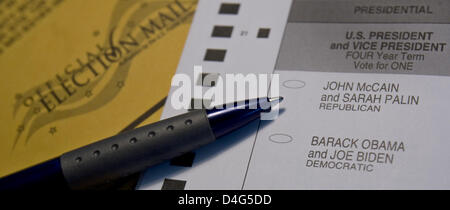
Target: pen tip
(276, 99)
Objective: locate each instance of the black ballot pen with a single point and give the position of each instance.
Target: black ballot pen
(136, 150)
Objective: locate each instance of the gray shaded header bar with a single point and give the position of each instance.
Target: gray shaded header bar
(366, 11)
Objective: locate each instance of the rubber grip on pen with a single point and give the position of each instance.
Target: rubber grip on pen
(135, 150)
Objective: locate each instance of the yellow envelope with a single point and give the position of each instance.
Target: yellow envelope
(75, 72)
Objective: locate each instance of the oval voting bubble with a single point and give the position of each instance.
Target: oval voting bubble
(280, 138)
(294, 84)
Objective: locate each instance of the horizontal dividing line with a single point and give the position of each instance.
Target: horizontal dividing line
(366, 22)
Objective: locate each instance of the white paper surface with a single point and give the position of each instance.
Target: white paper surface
(392, 131)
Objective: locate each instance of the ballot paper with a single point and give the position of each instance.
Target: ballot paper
(366, 87)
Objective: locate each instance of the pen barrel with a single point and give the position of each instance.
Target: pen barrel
(135, 150)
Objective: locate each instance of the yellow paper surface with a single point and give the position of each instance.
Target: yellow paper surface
(77, 71)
